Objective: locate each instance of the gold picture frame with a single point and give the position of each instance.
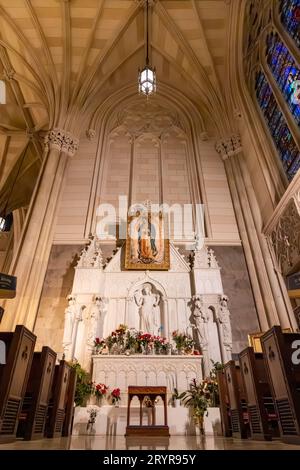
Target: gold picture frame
(146, 245)
(254, 339)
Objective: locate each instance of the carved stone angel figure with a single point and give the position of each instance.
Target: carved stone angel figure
(147, 301)
(94, 320)
(73, 315)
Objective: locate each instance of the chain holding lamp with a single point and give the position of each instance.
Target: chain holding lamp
(147, 76)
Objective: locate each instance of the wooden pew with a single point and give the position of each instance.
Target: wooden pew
(13, 378)
(224, 404)
(35, 406)
(69, 409)
(58, 399)
(284, 379)
(237, 401)
(261, 408)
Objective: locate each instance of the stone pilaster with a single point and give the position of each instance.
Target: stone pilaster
(271, 303)
(32, 255)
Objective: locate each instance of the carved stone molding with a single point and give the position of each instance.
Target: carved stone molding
(229, 146)
(91, 255)
(285, 236)
(204, 259)
(62, 140)
(122, 371)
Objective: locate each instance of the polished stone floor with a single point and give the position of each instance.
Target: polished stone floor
(120, 443)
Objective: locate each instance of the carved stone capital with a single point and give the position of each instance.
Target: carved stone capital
(62, 140)
(9, 74)
(91, 134)
(229, 146)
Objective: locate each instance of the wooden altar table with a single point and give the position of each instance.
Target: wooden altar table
(141, 392)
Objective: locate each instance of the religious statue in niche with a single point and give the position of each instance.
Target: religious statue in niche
(224, 320)
(73, 315)
(148, 303)
(199, 320)
(95, 320)
(146, 246)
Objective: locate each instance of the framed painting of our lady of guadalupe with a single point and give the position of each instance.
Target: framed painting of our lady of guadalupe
(146, 245)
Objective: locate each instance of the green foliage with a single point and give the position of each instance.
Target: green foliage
(196, 398)
(84, 386)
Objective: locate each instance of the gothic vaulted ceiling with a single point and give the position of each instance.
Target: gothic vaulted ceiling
(62, 58)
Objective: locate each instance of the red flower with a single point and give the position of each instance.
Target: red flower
(101, 389)
(116, 393)
(297, 14)
(97, 340)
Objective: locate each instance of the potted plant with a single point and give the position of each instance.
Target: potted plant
(197, 398)
(84, 386)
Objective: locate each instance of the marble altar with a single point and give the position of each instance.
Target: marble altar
(189, 297)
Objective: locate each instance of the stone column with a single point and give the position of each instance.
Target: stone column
(31, 257)
(267, 291)
(166, 332)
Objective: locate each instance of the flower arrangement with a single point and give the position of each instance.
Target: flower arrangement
(115, 396)
(198, 399)
(161, 345)
(99, 345)
(148, 403)
(100, 390)
(92, 418)
(183, 342)
(212, 383)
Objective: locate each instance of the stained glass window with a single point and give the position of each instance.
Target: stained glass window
(290, 17)
(282, 137)
(285, 71)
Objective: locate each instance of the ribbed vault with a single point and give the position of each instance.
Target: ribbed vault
(62, 59)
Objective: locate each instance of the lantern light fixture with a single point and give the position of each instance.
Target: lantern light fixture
(147, 76)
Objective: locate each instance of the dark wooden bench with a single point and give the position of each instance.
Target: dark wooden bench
(69, 408)
(14, 375)
(224, 404)
(58, 399)
(263, 419)
(284, 379)
(35, 405)
(237, 401)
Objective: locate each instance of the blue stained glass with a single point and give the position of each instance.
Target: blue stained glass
(285, 71)
(283, 139)
(290, 18)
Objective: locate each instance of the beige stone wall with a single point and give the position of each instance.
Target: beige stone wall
(58, 283)
(218, 199)
(73, 208)
(161, 171)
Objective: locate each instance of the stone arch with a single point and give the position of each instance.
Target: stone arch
(159, 312)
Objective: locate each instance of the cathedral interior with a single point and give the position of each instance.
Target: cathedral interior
(114, 109)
